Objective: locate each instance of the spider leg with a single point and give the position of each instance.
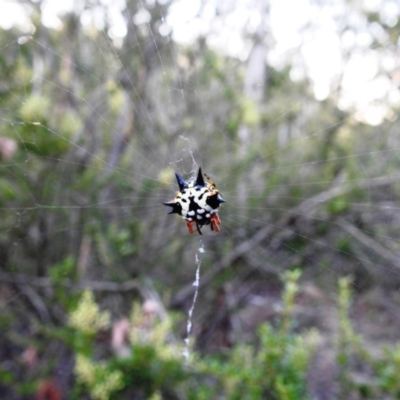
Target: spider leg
(198, 229)
(189, 225)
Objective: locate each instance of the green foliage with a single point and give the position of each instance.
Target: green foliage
(249, 113)
(68, 124)
(343, 245)
(148, 372)
(347, 337)
(42, 140)
(276, 369)
(6, 377)
(63, 269)
(152, 363)
(387, 371)
(123, 240)
(59, 273)
(87, 317)
(41, 133)
(7, 190)
(278, 78)
(384, 370)
(338, 205)
(100, 378)
(35, 108)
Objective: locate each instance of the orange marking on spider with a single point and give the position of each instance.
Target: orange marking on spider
(215, 222)
(189, 225)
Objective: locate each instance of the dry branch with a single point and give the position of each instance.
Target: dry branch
(101, 286)
(370, 243)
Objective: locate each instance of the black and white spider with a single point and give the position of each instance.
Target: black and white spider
(197, 202)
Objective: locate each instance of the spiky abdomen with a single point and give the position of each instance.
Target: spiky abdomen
(194, 205)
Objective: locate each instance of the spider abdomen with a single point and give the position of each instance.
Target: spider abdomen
(197, 202)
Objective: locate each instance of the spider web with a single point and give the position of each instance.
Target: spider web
(97, 190)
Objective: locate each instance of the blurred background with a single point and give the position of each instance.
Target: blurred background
(290, 106)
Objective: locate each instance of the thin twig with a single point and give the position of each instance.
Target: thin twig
(101, 286)
(370, 243)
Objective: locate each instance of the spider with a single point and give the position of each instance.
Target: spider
(197, 202)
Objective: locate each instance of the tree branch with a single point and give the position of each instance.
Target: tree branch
(101, 286)
(370, 243)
